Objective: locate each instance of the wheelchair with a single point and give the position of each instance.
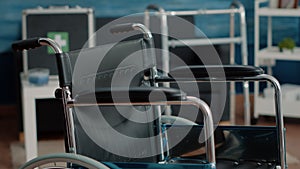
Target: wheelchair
(113, 112)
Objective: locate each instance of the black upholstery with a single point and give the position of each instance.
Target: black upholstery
(200, 72)
(138, 95)
(112, 65)
(244, 147)
(120, 65)
(219, 70)
(90, 143)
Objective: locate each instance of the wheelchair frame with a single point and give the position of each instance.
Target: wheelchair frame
(233, 73)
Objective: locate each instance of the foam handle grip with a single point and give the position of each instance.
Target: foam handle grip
(120, 28)
(153, 7)
(26, 44)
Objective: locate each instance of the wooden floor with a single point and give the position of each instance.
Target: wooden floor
(9, 133)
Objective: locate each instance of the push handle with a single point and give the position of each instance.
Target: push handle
(36, 42)
(62, 59)
(26, 44)
(127, 27)
(153, 7)
(121, 28)
(157, 8)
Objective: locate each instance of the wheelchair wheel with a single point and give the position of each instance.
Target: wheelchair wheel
(62, 161)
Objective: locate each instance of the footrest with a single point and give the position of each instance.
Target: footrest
(132, 165)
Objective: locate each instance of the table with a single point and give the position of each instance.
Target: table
(269, 55)
(29, 94)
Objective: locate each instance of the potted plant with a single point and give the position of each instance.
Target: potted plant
(287, 43)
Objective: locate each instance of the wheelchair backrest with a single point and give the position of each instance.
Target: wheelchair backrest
(112, 133)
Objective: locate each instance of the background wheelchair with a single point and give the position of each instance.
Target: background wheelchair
(113, 112)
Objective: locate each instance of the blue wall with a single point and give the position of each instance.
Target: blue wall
(10, 29)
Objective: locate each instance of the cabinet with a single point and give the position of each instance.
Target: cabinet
(268, 56)
(29, 95)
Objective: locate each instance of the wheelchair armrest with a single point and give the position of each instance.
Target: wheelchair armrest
(199, 72)
(136, 94)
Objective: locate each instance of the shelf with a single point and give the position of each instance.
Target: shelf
(266, 106)
(268, 56)
(53, 83)
(286, 12)
(273, 53)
